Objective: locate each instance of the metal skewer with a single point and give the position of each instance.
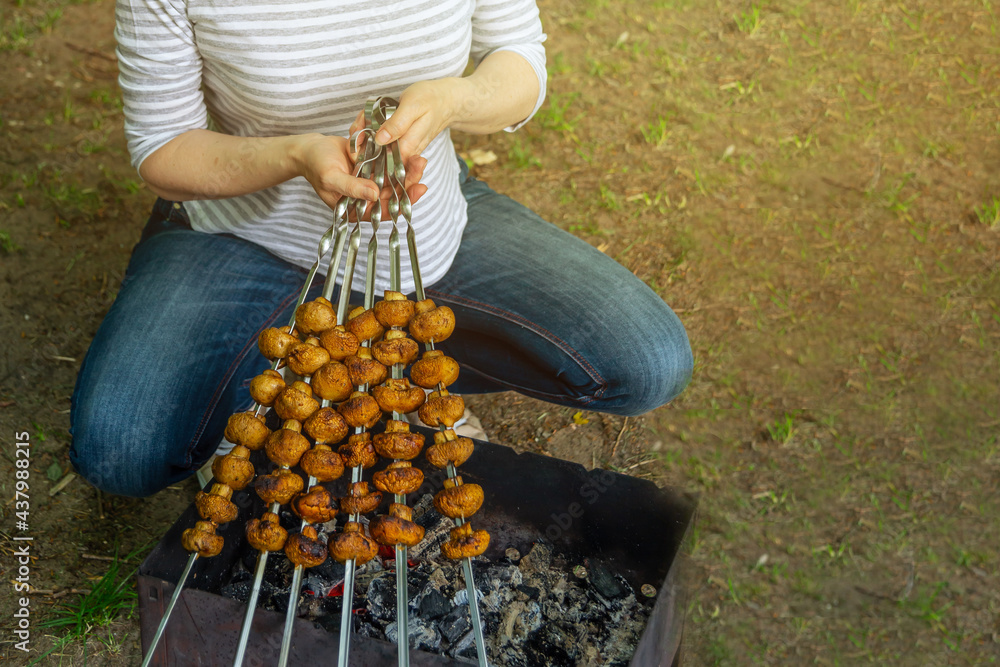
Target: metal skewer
(182, 581)
(293, 599)
(321, 250)
(397, 177)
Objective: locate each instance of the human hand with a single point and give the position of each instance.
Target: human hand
(413, 164)
(327, 164)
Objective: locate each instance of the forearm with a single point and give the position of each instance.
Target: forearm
(201, 164)
(501, 92)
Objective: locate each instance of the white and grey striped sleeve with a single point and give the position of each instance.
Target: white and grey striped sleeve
(159, 74)
(502, 25)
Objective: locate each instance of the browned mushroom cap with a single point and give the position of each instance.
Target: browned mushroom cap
(449, 448)
(322, 463)
(359, 500)
(397, 528)
(363, 325)
(275, 343)
(325, 426)
(339, 342)
(234, 469)
(243, 428)
(465, 542)
(202, 539)
(397, 442)
(287, 445)
(397, 395)
(362, 369)
(306, 358)
(395, 310)
(395, 348)
(360, 410)
(359, 451)
(399, 478)
(216, 505)
(458, 500)
(316, 506)
(296, 402)
(352, 544)
(434, 369)
(265, 387)
(424, 306)
(313, 317)
(278, 487)
(305, 548)
(436, 325)
(442, 408)
(331, 382)
(265, 533)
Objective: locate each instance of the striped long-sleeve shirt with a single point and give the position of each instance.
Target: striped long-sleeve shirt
(280, 67)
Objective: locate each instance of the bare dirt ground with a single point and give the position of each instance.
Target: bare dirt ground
(813, 186)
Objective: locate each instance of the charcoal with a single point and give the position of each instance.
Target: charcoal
(382, 597)
(551, 646)
(537, 560)
(530, 591)
(433, 605)
(366, 628)
(605, 582)
(330, 570)
(423, 635)
(465, 647)
(455, 624)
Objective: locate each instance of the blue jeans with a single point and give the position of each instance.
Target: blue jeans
(539, 312)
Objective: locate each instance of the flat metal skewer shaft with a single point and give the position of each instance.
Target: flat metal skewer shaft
(170, 607)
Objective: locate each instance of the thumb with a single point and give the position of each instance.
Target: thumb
(396, 126)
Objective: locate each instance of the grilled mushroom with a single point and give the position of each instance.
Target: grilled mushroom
(396, 395)
(434, 369)
(397, 442)
(296, 402)
(397, 527)
(449, 448)
(395, 310)
(360, 500)
(360, 410)
(266, 533)
(331, 382)
(234, 469)
(306, 358)
(395, 348)
(362, 369)
(316, 506)
(458, 500)
(314, 317)
(202, 538)
(359, 451)
(339, 342)
(442, 408)
(432, 323)
(278, 487)
(325, 426)
(275, 343)
(363, 324)
(243, 428)
(287, 444)
(216, 505)
(352, 544)
(265, 387)
(305, 548)
(322, 463)
(465, 542)
(399, 478)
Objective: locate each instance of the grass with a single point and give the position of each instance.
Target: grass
(989, 213)
(7, 244)
(748, 22)
(112, 597)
